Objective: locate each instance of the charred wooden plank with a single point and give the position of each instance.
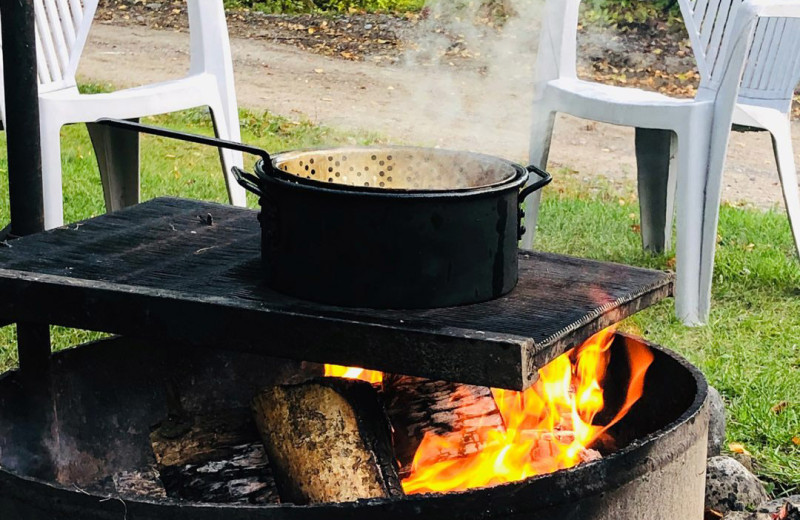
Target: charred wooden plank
(215, 457)
(418, 406)
(124, 272)
(328, 440)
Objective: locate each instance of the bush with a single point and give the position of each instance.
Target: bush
(631, 12)
(299, 6)
(619, 12)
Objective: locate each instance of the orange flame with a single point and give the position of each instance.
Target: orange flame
(548, 427)
(370, 376)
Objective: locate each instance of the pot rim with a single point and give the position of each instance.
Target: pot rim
(275, 175)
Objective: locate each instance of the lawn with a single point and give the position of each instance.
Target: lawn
(750, 350)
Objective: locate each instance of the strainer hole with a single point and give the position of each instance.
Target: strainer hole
(389, 179)
(313, 172)
(382, 173)
(366, 168)
(338, 174)
(358, 174)
(330, 179)
(301, 163)
(311, 161)
(366, 184)
(330, 169)
(382, 163)
(374, 157)
(382, 185)
(388, 157)
(389, 168)
(330, 158)
(337, 163)
(344, 157)
(306, 167)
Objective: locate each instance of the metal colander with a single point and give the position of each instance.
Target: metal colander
(397, 168)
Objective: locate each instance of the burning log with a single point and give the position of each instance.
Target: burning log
(419, 406)
(328, 441)
(213, 458)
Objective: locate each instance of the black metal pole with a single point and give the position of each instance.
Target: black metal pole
(22, 117)
(17, 26)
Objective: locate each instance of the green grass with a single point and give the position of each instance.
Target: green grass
(750, 350)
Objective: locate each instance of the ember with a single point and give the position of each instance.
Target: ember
(547, 427)
(370, 376)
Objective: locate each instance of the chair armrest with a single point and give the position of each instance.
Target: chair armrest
(773, 8)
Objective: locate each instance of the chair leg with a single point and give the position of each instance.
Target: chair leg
(228, 158)
(51, 175)
(693, 152)
(117, 153)
(656, 175)
(541, 137)
(784, 156)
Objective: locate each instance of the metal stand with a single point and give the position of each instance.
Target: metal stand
(24, 153)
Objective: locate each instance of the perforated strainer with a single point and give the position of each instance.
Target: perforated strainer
(397, 168)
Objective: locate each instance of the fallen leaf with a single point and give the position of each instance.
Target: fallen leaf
(778, 408)
(796, 440)
(319, 71)
(737, 447)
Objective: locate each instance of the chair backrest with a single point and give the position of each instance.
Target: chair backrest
(62, 27)
(772, 69)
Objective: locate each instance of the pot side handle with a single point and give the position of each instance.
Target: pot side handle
(247, 181)
(544, 179)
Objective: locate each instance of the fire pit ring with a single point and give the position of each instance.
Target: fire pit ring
(108, 393)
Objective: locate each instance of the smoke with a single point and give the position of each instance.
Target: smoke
(470, 72)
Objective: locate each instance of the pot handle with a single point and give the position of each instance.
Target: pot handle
(183, 136)
(544, 179)
(247, 181)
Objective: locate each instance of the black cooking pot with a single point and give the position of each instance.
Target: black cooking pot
(392, 227)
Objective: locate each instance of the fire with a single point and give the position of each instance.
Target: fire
(370, 376)
(548, 427)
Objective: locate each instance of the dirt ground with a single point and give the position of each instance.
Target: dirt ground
(407, 98)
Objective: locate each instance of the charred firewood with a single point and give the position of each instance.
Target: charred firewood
(242, 477)
(419, 406)
(328, 440)
(214, 458)
(135, 484)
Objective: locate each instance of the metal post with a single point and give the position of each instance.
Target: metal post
(17, 26)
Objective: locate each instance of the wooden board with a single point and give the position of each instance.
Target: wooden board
(158, 270)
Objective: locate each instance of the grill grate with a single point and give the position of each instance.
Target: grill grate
(160, 271)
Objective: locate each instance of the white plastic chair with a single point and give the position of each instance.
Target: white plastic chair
(62, 27)
(681, 143)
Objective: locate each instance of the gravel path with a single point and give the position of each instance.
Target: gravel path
(483, 110)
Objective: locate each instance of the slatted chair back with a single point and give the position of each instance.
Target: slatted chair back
(62, 27)
(772, 69)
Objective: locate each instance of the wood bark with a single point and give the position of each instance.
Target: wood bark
(215, 458)
(328, 440)
(419, 406)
